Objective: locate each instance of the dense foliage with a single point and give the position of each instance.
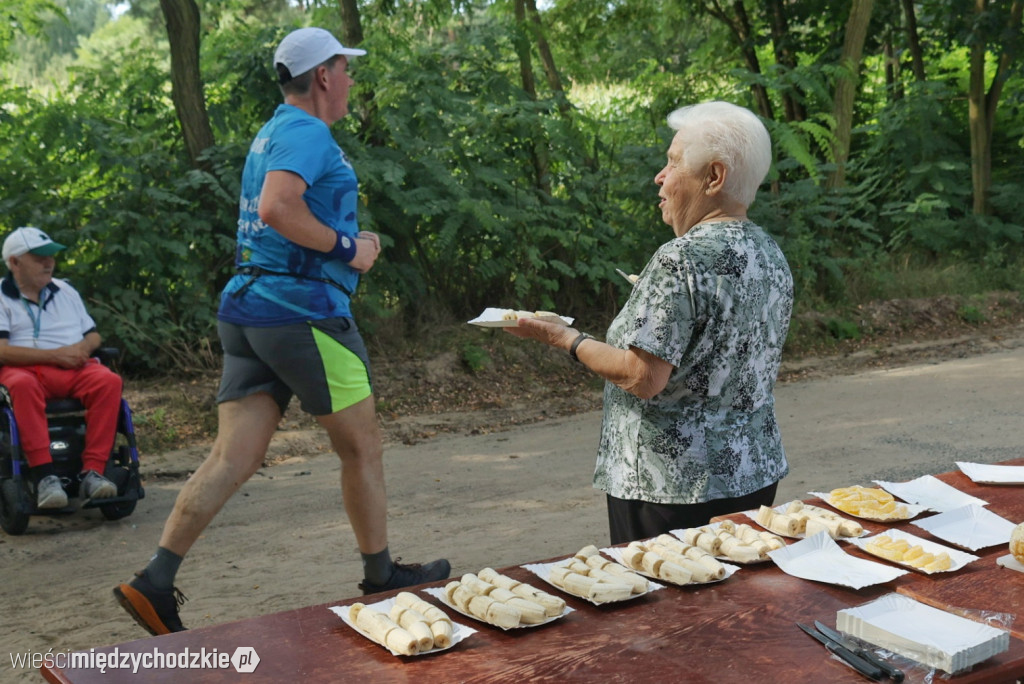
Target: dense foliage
(488, 191)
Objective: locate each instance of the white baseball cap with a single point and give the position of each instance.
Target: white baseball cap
(304, 48)
(29, 239)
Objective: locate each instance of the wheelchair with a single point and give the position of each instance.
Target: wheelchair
(66, 418)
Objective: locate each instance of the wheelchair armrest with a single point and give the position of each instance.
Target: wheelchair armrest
(107, 354)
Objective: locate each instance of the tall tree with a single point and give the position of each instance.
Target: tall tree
(182, 17)
(541, 158)
(785, 55)
(735, 17)
(1004, 39)
(913, 40)
(846, 85)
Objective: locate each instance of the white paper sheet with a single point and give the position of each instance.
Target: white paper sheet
(971, 527)
(819, 558)
(932, 492)
(439, 594)
(543, 570)
(958, 558)
(781, 508)
(493, 318)
(912, 510)
(615, 553)
(459, 630)
(987, 473)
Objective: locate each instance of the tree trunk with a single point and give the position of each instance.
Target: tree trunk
(541, 158)
(846, 86)
(182, 18)
(548, 60)
(982, 105)
(351, 23)
(739, 23)
(913, 42)
(785, 56)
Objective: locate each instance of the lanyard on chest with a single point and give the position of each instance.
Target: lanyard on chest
(37, 319)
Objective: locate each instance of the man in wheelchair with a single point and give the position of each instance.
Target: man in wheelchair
(46, 343)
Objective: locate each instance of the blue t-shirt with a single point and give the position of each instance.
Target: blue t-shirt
(300, 143)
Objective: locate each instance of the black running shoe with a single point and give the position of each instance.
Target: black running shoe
(156, 610)
(410, 575)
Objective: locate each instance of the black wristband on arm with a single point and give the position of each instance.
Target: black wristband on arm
(576, 343)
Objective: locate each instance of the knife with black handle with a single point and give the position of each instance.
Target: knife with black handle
(891, 672)
(846, 655)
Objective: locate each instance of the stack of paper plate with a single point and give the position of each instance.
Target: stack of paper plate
(928, 635)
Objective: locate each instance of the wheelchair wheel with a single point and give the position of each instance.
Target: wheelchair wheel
(12, 520)
(116, 511)
(122, 477)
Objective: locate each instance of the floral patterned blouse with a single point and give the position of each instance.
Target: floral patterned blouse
(715, 303)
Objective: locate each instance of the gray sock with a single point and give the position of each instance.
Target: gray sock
(377, 567)
(162, 568)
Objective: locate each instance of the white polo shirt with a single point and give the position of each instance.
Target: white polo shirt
(58, 320)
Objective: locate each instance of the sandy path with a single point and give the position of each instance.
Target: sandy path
(485, 500)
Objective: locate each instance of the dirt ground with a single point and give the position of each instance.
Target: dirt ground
(496, 482)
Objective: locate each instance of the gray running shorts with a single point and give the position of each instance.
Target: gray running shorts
(324, 363)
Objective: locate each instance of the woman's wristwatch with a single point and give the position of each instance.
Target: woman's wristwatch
(576, 343)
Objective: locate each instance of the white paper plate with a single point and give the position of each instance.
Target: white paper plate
(492, 318)
(923, 633)
(680, 534)
(931, 492)
(913, 510)
(819, 558)
(781, 508)
(616, 554)
(971, 527)
(543, 570)
(459, 631)
(438, 593)
(1008, 561)
(958, 558)
(986, 473)
(631, 279)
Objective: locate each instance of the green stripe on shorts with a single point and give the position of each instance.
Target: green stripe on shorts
(347, 379)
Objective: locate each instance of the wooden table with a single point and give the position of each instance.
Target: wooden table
(739, 630)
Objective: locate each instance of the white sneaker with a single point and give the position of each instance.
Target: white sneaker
(50, 493)
(95, 486)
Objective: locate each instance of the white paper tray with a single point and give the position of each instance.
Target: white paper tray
(928, 635)
(615, 553)
(970, 527)
(543, 570)
(986, 473)
(1009, 562)
(440, 595)
(492, 318)
(957, 558)
(459, 631)
(680, 534)
(630, 278)
(932, 492)
(781, 508)
(819, 558)
(913, 510)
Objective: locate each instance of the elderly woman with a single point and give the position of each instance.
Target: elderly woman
(689, 429)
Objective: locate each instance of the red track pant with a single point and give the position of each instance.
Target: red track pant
(95, 385)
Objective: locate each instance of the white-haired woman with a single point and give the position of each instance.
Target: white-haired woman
(689, 429)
